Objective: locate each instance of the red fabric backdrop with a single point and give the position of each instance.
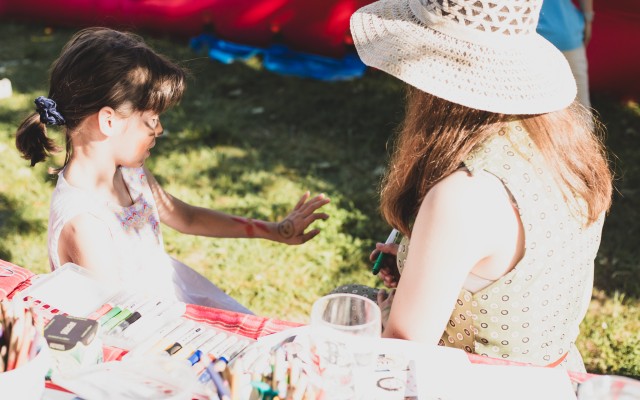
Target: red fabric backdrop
(317, 26)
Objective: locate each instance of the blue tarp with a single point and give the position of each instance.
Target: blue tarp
(280, 59)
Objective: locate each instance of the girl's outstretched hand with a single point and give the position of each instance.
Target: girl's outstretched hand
(291, 230)
(389, 271)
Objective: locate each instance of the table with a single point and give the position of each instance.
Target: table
(251, 326)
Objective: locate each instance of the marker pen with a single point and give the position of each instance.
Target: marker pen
(378, 264)
(150, 323)
(135, 316)
(155, 310)
(109, 315)
(157, 336)
(137, 302)
(128, 309)
(279, 376)
(207, 334)
(115, 310)
(194, 358)
(170, 338)
(110, 303)
(219, 365)
(213, 342)
(216, 378)
(248, 356)
(184, 340)
(235, 349)
(219, 350)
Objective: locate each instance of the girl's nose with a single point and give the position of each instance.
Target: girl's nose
(159, 129)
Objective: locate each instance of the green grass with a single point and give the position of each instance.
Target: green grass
(250, 142)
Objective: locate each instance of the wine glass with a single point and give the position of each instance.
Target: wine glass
(343, 327)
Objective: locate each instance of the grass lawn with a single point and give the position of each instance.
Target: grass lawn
(248, 142)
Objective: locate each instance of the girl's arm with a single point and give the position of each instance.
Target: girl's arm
(464, 223)
(202, 221)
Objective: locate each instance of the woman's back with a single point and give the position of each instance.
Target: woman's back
(531, 314)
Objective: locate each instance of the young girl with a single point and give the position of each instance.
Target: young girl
(497, 182)
(109, 89)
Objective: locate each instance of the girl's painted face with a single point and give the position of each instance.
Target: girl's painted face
(139, 136)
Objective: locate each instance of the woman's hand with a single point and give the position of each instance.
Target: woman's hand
(291, 230)
(385, 300)
(389, 271)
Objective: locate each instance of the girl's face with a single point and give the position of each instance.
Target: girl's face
(139, 136)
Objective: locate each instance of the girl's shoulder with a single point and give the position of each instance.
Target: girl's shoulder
(135, 178)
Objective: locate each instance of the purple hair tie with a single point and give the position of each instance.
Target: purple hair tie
(47, 110)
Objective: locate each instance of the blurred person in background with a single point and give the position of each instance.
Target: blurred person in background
(569, 29)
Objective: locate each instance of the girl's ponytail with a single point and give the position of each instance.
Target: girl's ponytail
(32, 140)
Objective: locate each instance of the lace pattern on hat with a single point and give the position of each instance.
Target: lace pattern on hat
(483, 22)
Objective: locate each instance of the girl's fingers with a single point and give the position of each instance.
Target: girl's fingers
(309, 235)
(308, 220)
(382, 295)
(302, 200)
(313, 204)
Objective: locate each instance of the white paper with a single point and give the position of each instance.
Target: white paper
(495, 382)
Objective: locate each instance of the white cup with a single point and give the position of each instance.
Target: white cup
(343, 327)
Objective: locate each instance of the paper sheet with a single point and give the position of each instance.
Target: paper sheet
(495, 382)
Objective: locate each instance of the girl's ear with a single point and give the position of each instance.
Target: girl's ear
(107, 121)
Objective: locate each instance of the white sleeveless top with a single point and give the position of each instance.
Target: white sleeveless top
(142, 263)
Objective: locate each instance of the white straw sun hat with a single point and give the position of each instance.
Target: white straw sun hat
(483, 54)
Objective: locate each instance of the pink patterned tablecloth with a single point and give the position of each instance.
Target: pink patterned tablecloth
(14, 279)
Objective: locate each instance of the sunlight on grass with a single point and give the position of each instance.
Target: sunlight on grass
(610, 340)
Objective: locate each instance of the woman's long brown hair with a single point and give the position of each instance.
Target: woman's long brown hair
(437, 135)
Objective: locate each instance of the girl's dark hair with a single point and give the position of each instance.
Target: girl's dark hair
(101, 67)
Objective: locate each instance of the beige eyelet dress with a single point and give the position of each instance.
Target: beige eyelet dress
(531, 314)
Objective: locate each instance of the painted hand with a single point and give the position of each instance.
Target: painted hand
(291, 230)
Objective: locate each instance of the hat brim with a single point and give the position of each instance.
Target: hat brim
(530, 76)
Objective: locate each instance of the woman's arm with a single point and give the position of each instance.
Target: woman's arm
(464, 222)
(202, 221)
